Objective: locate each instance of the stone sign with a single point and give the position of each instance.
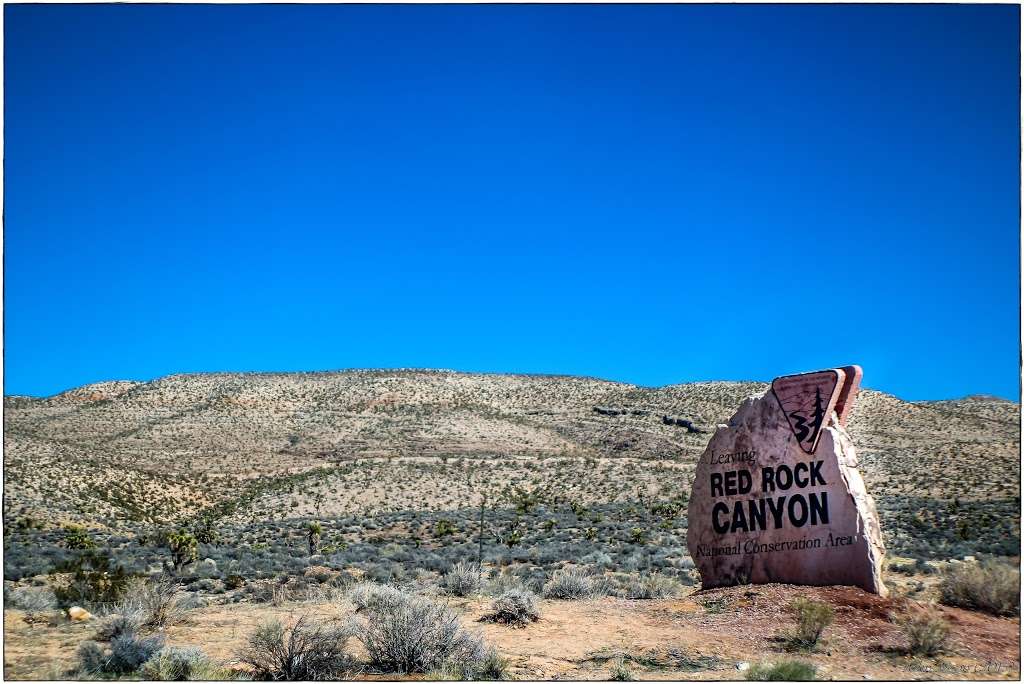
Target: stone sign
(777, 496)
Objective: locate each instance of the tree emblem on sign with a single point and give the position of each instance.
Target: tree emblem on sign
(808, 400)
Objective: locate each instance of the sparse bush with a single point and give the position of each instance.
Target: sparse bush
(75, 537)
(517, 608)
(92, 657)
(154, 603)
(94, 580)
(444, 528)
(462, 580)
(371, 596)
(512, 536)
(570, 584)
(126, 654)
(318, 573)
(620, 671)
(32, 600)
(130, 651)
(525, 501)
(173, 664)
(926, 631)
(496, 586)
(990, 586)
(812, 618)
(234, 581)
(306, 651)
(491, 667)
(205, 530)
(653, 586)
(418, 635)
(783, 671)
(127, 621)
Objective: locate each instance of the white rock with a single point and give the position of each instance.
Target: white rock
(743, 666)
(78, 614)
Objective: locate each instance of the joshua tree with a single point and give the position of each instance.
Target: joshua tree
(184, 548)
(206, 530)
(314, 530)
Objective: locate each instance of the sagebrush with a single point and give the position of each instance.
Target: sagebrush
(990, 586)
(417, 635)
(307, 650)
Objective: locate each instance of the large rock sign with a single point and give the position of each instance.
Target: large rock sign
(777, 496)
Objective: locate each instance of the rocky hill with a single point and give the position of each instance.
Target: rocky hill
(292, 487)
(121, 451)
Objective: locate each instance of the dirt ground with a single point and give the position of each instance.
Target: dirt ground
(703, 636)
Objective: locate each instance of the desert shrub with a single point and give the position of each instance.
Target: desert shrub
(926, 631)
(308, 650)
(598, 559)
(234, 581)
(173, 664)
(444, 528)
(517, 607)
(324, 593)
(372, 596)
(319, 574)
(490, 667)
(158, 537)
(76, 537)
(128, 621)
(205, 530)
(126, 654)
(990, 586)
(32, 599)
(154, 603)
(620, 671)
(91, 657)
(652, 586)
(95, 579)
(130, 651)
(783, 671)
(192, 602)
(462, 580)
(569, 584)
(418, 635)
(812, 617)
(503, 582)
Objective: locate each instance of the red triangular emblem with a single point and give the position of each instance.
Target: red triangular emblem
(808, 400)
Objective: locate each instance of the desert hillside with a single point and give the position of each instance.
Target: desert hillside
(255, 491)
(114, 454)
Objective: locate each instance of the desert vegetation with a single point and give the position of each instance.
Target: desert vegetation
(457, 512)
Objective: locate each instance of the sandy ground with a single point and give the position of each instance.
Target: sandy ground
(701, 636)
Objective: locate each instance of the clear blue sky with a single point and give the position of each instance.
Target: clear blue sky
(653, 194)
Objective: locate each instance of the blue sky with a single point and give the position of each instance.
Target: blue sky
(652, 194)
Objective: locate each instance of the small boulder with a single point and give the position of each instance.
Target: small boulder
(78, 614)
